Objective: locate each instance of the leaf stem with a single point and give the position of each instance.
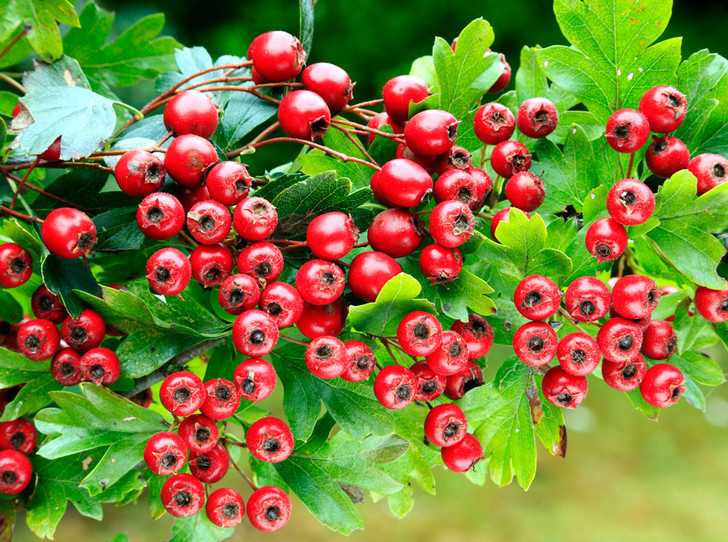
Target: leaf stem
(13, 83)
(242, 474)
(21, 216)
(49, 195)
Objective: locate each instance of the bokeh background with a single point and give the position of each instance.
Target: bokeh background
(625, 478)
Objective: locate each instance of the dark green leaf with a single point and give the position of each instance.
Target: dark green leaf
(10, 309)
(31, 397)
(16, 369)
(117, 230)
(701, 368)
(244, 112)
(63, 276)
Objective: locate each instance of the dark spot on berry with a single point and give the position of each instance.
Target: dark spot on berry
(235, 297)
(622, 131)
(497, 119)
(604, 251)
(403, 392)
(460, 159)
(262, 270)
(652, 297)
(724, 305)
(625, 343)
(97, 372)
(223, 393)
(587, 308)
(421, 331)
(671, 345)
(428, 387)
(564, 399)
(17, 440)
(465, 195)
(86, 241)
(629, 372)
(477, 327)
(78, 334)
(241, 187)
(271, 446)
(183, 499)
(628, 198)
(674, 100)
(578, 357)
(9, 477)
(518, 162)
(274, 309)
(536, 344)
(231, 510)
(542, 117)
(324, 351)
(202, 434)
(675, 395)
(212, 275)
(719, 171)
(257, 337)
(202, 462)
(67, 370)
(362, 363)
(272, 513)
(470, 383)
(182, 394)
(452, 132)
(328, 278)
(319, 127)
(168, 460)
(451, 430)
(659, 146)
(45, 302)
(18, 265)
(206, 223)
(248, 385)
(455, 350)
(154, 172)
(154, 215)
(532, 299)
(260, 208)
(462, 224)
(32, 343)
(162, 274)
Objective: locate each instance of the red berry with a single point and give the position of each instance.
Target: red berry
(211, 264)
(191, 112)
(16, 265)
(502, 216)
(451, 223)
(238, 293)
(456, 184)
(505, 77)
(588, 299)
(624, 376)
(440, 264)
(446, 425)
(211, 466)
(228, 182)
(379, 120)
(457, 158)
(666, 156)
(635, 296)
(68, 233)
(332, 235)
(510, 157)
(427, 162)
(710, 169)
(85, 332)
(225, 507)
(463, 381)
(16, 472)
(619, 340)
(38, 339)
(277, 56)
(525, 190)
(282, 302)
(222, 399)
(100, 365)
(463, 456)
(189, 196)
(139, 173)
(663, 385)
(606, 239)
(477, 334)
(535, 343)
(254, 333)
(451, 356)
(537, 297)
(168, 271)
(403, 182)
(199, 433)
(269, 509)
(712, 304)
(188, 158)
(578, 354)
(165, 453)
(66, 367)
(537, 117)
(360, 361)
(563, 389)
(659, 340)
(209, 222)
(304, 114)
(430, 385)
(399, 92)
(326, 357)
(53, 152)
(396, 232)
(630, 202)
(270, 440)
(494, 123)
(262, 261)
(369, 272)
(160, 216)
(431, 132)
(255, 378)
(419, 333)
(182, 495)
(331, 83)
(664, 107)
(627, 130)
(317, 320)
(47, 305)
(255, 219)
(395, 387)
(320, 282)
(19, 435)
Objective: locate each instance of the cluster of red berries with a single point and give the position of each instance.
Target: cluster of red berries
(17, 440)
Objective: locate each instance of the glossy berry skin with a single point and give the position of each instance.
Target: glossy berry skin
(457, 158)
(211, 466)
(563, 389)
(635, 296)
(66, 367)
(712, 304)
(47, 305)
(451, 356)
(395, 387)
(378, 121)
(360, 361)
(659, 340)
(270, 440)
(228, 182)
(326, 357)
(269, 509)
(502, 216)
(19, 435)
(182, 393)
(277, 56)
(255, 378)
(332, 235)
(369, 272)
(183, 495)
(505, 77)
(330, 82)
(222, 399)
(624, 376)
(666, 156)
(430, 385)
(537, 297)
(456, 184)
(38, 339)
(262, 261)
(168, 271)
(318, 320)
(16, 265)
(419, 333)
(535, 343)
(320, 282)
(619, 340)
(431, 132)
(427, 162)
(304, 114)
(188, 158)
(225, 507)
(537, 117)
(463, 455)
(399, 92)
(191, 112)
(477, 334)
(53, 152)
(254, 333)
(403, 182)
(160, 216)
(627, 130)
(68, 233)
(525, 190)
(494, 123)
(100, 365)
(238, 293)
(463, 381)
(440, 264)
(606, 239)
(282, 302)
(139, 173)
(630, 202)
(255, 219)
(587, 299)
(710, 170)
(16, 472)
(199, 433)
(451, 223)
(578, 354)
(665, 108)
(446, 425)
(209, 222)
(662, 385)
(510, 157)
(396, 232)
(211, 265)
(189, 196)
(165, 453)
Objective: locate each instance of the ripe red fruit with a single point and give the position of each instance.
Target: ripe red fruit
(304, 114)
(66, 367)
(100, 365)
(182, 495)
(395, 387)
(209, 222)
(191, 112)
(712, 304)
(606, 239)
(53, 152)
(431, 132)
(402, 182)
(494, 123)
(211, 264)
(331, 83)
(666, 156)
(160, 216)
(635, 296)
(168, 271)
(624, 376)
(228, 182)
(269, 509)
(427, 162)
(619, 340)
(19, 435)
(451, 223)
(396, 232)
(379, 120)
(212, 466)
(446, 425)
(456, 184)
(317, 320)
(563, 389)
(262, 261)
(188, 158)
(139, 173)
(663, 385)
(238, 293)
(578, 354)
(630, 202)
(254, 333)
(399, 92)
(505, 77)
(255, 219)
(255, 378)
(451, 356)
(270, 440)
(222, 399)
(16, 472)
(332, 235)
(457, 158)
(182, 393)
(525, 190)
(143, 398)
(502, 216)
(419, 333)
(664, 107)
(535, 343)
(225, 507)
(360, 361)
(320, 282)
(463, 381)
(440, 264)
(282, 302)
(199, 433)
(477, 334)
(463, 456)
(710, 170)
(430, 385)
(85, 332)
(627, 130)
(16, 265)
(326, 357)
(588, 299)
(537, 297)
(189, 196)
(369, 272)
(38, 339)
(510, 157)
(537, 117)
(47, 305)
(277, 56)
(68, 233)
(165, 453)
(659, 340)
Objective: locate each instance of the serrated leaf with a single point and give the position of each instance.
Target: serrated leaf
(64, 72)
(316, 162)
(458, 298)
(244, 112)
(16, 369)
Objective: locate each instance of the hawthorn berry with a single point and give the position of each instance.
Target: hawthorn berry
(182, 393)
(578, 354)
(395, 387)
(402, 182)
(477, 334)
(630, 202)
(369, 272)
(710, 170)
(502, 216)
(659, 340)
(189, 196)
(535, 343)
(440, 264)
(66, 367)
(662, 385)
(431, 132)
(165, 453)
(318, 320)
(199, 433)
(666, 156)
(563, 389)
(606, 239)
(38, 339)
(504, 78)
(85, 332)
(168, 271)
(446, 425)
(493, 123)
(211, 466)
(396, 232)
(182, 495)
(451, 223)
(451, 356)
(100, 365)
(16, 265)
(270, 440)
(330, 82)
(68, 233)
(430, 385)
(326, 357)
(537, 117)
(331, 236)
(627, 130)
(255, 378)
(238, 293)
(228, 182)
(255, 219)
(282, 302)
(47, 305)
(254, 333)
(188, 158)
(463, 455)
(222, 399)
(320, 282)
(139, 173)
(587, 299)
(525, 190)
(635, 296)
(360, 361)
(509, 157)
(209, 222)
(53, 152)
(277, 56)
(304, 114)
(468, 378)
(16, 472)
(211, 265)
(619, 339)
(712, 304)
(378, 121)
(269, 509)
(262, 261)
(456, 184)
(191, 112)
(225, 507)
(419, 333)
(537, 297)
(160, 216)
(624, 376)
(399, 92)
(457, 158)
(665, 108)
(19, 435)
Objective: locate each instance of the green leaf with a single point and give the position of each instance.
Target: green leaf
(63, 276)
(652, 413)
(10, 309)
(306, 23)
(424, 68)
(701, 368)
(8, 100)
(531, 82)
(64, 72)
(458, 298)
(17, 369)
(198, 528)
(32, 397)
(315, 162)
(117, 230)
(244, 112)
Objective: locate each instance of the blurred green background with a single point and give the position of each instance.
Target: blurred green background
(625, 478)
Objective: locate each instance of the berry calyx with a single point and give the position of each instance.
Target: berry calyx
(578, 354)
(537, 297)
(254, 333)
(225, 507)
(209, 222)
(402, 182)
(431, 132)
(525, 190)
(509, 157)
(624, 376)
(430, 385)
(587, 299)
(212, 466)
(712, 304)
(446, 425)
(463, 381)
(47, 305)
(16, 472)
(228, 182)
(396, 232)
(330, 82)
(494, 123)
(320, 282)
(100, 365)
(19, 435)
(440, 264)
(188, 158)
(16, 265)
(666, 156)
(477, 334)
(360, 361)
(222, 399)
(282, 302)
(85, 332)
(255, 219)
(710, 169)
(665, 108)
(635, 296)
(199, 433)
(451, 223)
(659, 340)
(211, 265)
(66, 367)
(619, 340)
(262, 261)
(326, 357)
(160, 216)
(270, 440)
(165, 453)
(563, 389)
(38, 339)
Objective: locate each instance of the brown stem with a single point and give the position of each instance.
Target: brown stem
(21, 216)
(573, 320)
(629, 168)
(363, 104)
(327, 150)
(22, 182)
(10, 45)
(257, 139)
(395, 137)
(49, 195)
(242, 474)
(292, 340)
(356, 143)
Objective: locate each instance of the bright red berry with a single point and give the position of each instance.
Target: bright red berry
(255, 378)
(139, 173)
(255, 219)
(666, 156)
(451, 223)
(457, 158)
(19, 435)
(588, 299)
(535, 343)
(463, 455)
(624, 376)
(664, 107)
(483, 185)
(403, 182)
(494, 123)
(191, 112)
(225, 507)
(38, 339)
(525, 190)
(332, 235)
(211, 264)
(85, 332)
(189, 196)
(282, 302)
(317, 320)
(440, 264)
(209, 222)
(635, 296)
(431, 132)
(379, 120)
(16, 265)
(578, 354)
(537, 117)
(369, 272)
(712, 304)
(463, 381)
(396, 232)
(254, 333)
(188, 158)
(165, 453)
(630, 202)
(183, 495)
(100, 365)
(446, 425)
(606, 239)
(270, 440)
(663, 385)
(399, 92)
(710, 170)
(304, 114)
(47, 305)
(222, 399)
(563, 389)
(320, 282)
(68, 233)
(627, 130)
(228, 182)
(262, 261)
(199, 433)
(510, 157)
(430, 385)
(395, 387)
(360, 361)
(66, 367)
(16, 472)
(168, 271)
(53, 152)
(659, 340)
(619, 340)
(419, 333)
(238, 293)
(330, 82)
(160, 216)
(477, 334)
(505, 77)
(456, 184)
(277, 56)
(451, 356)
(269, 509)
(502, 216)
(326, 357)
(211, 466)
(537, 297)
